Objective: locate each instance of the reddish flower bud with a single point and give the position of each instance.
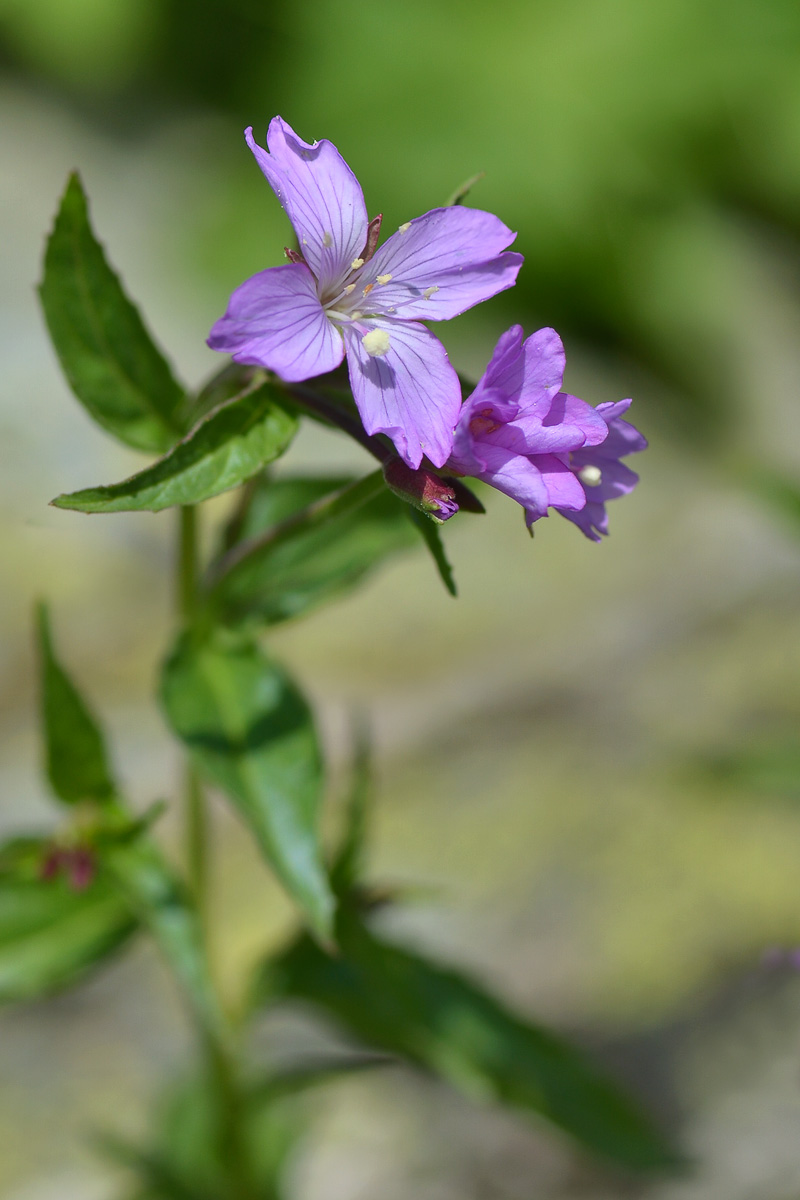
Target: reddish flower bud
(424, 489)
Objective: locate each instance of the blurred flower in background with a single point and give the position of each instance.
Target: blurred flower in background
(591, 757)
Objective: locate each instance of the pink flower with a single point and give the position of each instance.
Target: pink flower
(344, 295)
(543, 447)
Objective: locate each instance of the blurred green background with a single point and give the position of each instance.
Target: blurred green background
(589, 760)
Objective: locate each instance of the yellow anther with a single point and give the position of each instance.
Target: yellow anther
(356, 316)
(356, 263)
(327, 240)
(376, 343)
(349, 287)
(429, 292)
(404, 228)
(384, 278)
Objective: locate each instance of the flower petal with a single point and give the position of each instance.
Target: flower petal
(592, 520)
(321, 196)
(518, 478)
(564, 490)
(440, 264)
(408, 391)
(275, 320)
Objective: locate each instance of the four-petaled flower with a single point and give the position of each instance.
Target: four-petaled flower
(341, 294)
(546, 449)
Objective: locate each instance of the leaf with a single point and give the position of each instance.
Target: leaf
(51, 935)
(440, 1020)
(75, 753)
(432, 538)
(250, 732)
(316, 550)
(110, 361)
(154, 893)
(348, 865)
(464, 189)
(227, 447)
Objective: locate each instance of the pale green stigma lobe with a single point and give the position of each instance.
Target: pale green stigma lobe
(590, 476)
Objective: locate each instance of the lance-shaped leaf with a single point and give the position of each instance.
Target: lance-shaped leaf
(152, 891)
(52, 934)
(250, 732)
(440, 1020)
(227, 447)
(433, 540)
(75, 753)
(309, 540)
(108, 357)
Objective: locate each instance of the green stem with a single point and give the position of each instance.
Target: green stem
(219, 1046)
(195, 812)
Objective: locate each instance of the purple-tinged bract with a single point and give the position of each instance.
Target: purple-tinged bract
(543, 447)
(348, 297)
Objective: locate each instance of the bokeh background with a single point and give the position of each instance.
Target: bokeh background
(589, 764)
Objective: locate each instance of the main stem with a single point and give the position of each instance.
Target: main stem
(220, 1053)
(195, 813)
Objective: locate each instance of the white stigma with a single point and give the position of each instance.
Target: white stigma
(356, 263)
(384, 278)
(376, 343)
(327, 240)
(429, 292)
(590, 476)
(405, 227)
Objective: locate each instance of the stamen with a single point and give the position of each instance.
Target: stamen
(327, 240)
(384, 278)
(429, 292)
(366, 291)
(356, 316)
(376, 343)
(349, 287)
(356, 263)
(373, 233)
(404, 228)
(590, 476)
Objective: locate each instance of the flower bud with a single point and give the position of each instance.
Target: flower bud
(424, 489)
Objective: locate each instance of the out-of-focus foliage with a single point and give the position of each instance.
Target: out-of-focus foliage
(643, 151)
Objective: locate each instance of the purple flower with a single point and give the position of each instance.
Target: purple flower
(546, 449)
(340, 295)
(602, 475)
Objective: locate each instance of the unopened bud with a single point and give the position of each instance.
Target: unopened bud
(422, 488)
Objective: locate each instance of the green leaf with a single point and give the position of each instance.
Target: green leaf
(75, 753)
(432, 538)
(396, 1000)
(108, 357)
(348, 864)
(250, 732)
(464, 189)
(227, 447)
(304, 550)
(153, 892)
(50, 934)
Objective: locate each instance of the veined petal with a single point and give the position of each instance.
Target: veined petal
(408, 391)
(275, 320)
(321, 196)
(441, 264)
(517, 477)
